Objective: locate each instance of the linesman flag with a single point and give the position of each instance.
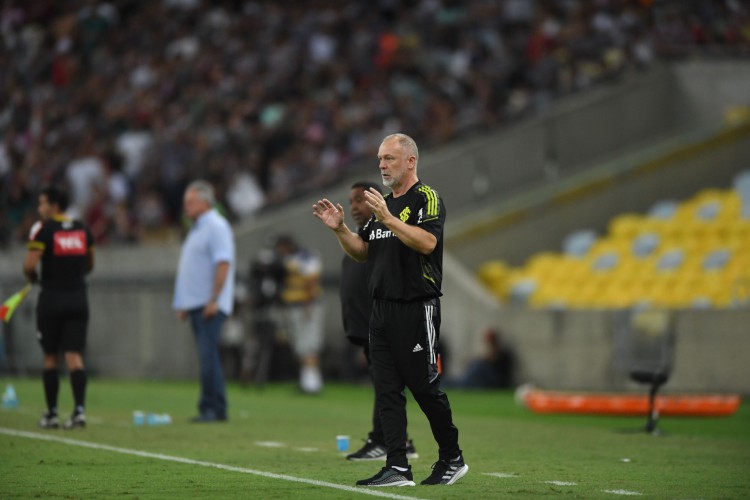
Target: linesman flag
(10, 305)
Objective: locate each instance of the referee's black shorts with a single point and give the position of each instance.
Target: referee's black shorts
(62, 319)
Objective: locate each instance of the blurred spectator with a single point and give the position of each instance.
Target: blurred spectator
(265, 282)
(133, 144)
(269, 100)
(244, 196)
(302, 309)
(86, 176)
(495, 369)
(233, 336)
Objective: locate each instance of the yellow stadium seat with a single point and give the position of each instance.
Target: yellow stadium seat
(740, 289)
(695, 254)
(625, 226)
(731, 205)
(544, 266)
(493, 271)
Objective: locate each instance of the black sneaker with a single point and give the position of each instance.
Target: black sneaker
(444, 472)
(76, 420)
(411, 451)
(49, 421)
(370, 451)
(388, 476)
(373, 451)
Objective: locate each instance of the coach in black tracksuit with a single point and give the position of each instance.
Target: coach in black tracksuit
(403, 246)
(356, 309)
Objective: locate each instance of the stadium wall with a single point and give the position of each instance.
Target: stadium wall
(579, 350)
(134, 334)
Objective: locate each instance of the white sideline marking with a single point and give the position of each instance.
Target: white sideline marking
(276, 444)
(622, 492)
(562, 483)
(270, 444)
(499, 474)
(170, 458)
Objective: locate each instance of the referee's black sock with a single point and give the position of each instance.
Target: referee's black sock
(78, 384)
(51, 380)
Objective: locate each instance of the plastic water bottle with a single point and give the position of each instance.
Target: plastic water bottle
(10, 400)
(139, 418)
(158, 419)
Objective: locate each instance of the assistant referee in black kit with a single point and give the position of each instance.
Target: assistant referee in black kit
(403, 246)
(64, 249)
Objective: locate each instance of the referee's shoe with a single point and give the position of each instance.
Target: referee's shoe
(76, 420)
(49, 421)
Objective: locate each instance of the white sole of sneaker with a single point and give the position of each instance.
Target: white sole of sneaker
(458, 475)
(397, 484)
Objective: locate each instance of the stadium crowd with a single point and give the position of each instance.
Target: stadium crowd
(126, 101)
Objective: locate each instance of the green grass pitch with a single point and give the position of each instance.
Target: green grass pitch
(281, 444)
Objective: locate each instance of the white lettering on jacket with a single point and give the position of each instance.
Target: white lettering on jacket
(379, 234)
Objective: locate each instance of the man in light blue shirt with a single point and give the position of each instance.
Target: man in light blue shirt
(204, 292)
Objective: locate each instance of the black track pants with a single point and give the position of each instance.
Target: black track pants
(403, 348)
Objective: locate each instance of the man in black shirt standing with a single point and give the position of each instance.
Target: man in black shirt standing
(356, 308)
(65, 248)
(403, 246)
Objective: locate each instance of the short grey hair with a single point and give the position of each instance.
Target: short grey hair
(204, 190)
(405, 142)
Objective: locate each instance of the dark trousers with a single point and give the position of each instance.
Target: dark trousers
(213, 400)
(376, 434)
(403, 349)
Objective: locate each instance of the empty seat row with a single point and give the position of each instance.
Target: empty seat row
(694, 253)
